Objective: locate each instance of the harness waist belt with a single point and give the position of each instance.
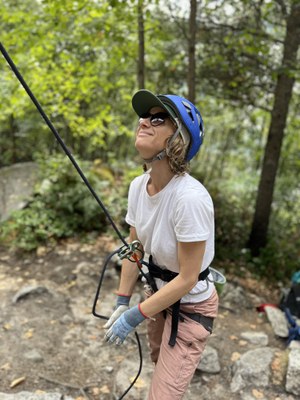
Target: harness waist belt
(167, 275)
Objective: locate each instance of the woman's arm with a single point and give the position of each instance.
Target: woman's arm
(190, 257)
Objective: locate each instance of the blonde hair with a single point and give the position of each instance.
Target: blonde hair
(176, 153)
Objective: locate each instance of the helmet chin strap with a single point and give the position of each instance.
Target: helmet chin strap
(162, 154)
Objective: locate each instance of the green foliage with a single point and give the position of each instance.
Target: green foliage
(72, 55)
(233, 212)
(234, 205)
(62, 206)
(282, 254)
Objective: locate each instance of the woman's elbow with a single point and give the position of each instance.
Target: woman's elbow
(190, 282)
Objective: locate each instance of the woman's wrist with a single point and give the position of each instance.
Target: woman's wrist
(134, 316)
(141, 311)
(123, 294)
(123, 299)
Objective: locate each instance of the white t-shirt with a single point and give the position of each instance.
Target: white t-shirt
(181, 212)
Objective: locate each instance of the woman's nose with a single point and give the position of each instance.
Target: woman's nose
(144, 122)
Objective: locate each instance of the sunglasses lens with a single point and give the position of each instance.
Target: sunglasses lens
(156, 121)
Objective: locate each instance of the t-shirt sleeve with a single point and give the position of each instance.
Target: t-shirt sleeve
(131, 208)
(194, 217)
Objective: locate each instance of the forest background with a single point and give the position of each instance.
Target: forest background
(238, 61)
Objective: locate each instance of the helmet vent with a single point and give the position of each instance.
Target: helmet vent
(188, 109)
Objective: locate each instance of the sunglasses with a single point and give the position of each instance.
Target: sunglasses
(155, 119)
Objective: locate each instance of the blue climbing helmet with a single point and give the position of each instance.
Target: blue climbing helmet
(180, 109)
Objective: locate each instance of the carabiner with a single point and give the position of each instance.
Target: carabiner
(129, 250)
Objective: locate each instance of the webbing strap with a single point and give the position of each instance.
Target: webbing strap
(174, 326)
(166, 275)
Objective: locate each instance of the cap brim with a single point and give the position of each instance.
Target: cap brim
(144, 100)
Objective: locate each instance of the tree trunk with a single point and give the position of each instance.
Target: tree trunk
(13, 127)
(282, 97)
(192, 50)
(141, 57)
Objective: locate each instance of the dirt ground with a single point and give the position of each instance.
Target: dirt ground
(50, 341)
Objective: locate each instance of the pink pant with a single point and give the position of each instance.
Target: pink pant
(175, 366)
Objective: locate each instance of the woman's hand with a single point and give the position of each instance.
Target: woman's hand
(121, 306)
(129, 320)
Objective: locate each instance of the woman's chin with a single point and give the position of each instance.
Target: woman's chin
(143, 152)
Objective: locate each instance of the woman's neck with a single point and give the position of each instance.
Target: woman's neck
(160, 176)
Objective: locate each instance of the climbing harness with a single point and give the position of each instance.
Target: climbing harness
(128, 250)
(166, 275)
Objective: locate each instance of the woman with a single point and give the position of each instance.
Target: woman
(172, 215)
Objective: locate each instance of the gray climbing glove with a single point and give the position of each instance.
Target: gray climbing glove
(127, 322)
(122, 305)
